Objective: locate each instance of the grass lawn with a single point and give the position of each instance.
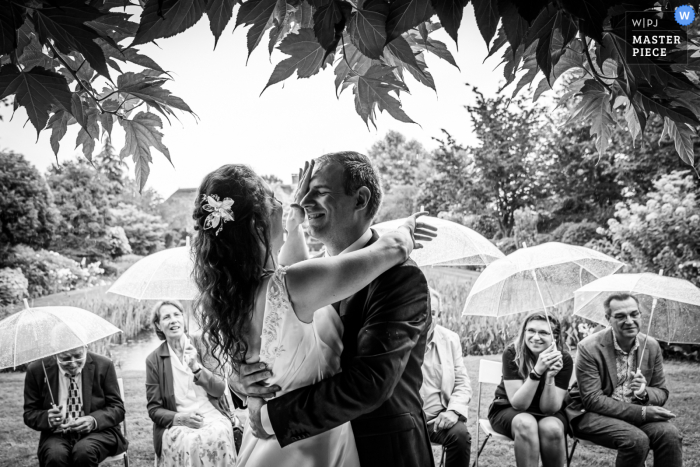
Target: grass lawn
(18, 443)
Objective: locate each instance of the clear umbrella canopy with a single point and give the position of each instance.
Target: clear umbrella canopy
(166, 275)
(455, 244)
(36, 333)
(676, 315)
(533, 278)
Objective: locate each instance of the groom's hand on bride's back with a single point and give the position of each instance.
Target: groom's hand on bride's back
(249, 381)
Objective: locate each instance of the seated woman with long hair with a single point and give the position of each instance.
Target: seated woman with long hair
(528, 405)
(185, 398)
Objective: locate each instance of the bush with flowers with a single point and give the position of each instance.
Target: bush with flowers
(48, 272)
(13, 286)
(663, 233)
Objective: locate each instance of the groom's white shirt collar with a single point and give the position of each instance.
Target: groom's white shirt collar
(357, 245)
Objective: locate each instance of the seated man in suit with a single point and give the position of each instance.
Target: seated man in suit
(446, 390)
(83, 429)
(615, 406)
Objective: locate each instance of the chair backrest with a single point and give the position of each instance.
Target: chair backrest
(121, 393)
(490, 372)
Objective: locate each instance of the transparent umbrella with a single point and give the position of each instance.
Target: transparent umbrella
(455, 244)
(536, 278)
(35, 333)
(166, 275)
(670, 307)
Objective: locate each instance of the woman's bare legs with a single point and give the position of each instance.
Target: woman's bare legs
(552, 442)
(527, 440)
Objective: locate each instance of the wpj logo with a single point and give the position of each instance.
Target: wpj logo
(655, 35)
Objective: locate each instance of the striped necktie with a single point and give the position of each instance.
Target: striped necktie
(75, 402)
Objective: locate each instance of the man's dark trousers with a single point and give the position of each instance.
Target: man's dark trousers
(631, 442)
(59, 450)
(457, 442)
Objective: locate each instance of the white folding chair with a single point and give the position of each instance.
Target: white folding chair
(124, 456)
(489, 373)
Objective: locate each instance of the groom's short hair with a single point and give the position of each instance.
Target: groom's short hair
(358, 171)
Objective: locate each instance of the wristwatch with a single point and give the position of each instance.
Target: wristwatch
(644, 398)
(535, 376)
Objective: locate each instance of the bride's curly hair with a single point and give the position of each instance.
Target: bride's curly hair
(229, 266)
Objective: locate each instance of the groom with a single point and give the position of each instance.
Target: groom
(385, 329)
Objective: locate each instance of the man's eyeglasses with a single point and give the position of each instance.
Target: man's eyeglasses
(68, 362)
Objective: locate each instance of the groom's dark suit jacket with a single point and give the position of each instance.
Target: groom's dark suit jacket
(386, 326)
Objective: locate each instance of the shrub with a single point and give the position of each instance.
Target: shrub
(27, 211)
(663, 232)
(580, 233)
(13, 285)
(118, 242)
(145, 232)
(48, 272)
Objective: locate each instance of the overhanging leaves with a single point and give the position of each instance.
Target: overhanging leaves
(219, 13)
(683, 137)
(367, 28)
(450, 13)
(372, 92)
(166, 18)
(36, 90)
(591, 15)
(85, 138)
(66, 26)
(306, 57)
(11, 20)
(58, 123)
(486, 12)
(405, 15)
(142, 133)
(595, 108)
(257, 13)
(329, 22)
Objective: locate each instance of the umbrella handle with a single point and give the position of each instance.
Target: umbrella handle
(537, 284)
(651, 315)
(646, 338)
(46, 378)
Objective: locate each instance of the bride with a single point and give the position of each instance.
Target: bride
(258, 310)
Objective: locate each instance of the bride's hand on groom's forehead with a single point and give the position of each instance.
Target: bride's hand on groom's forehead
(304, 181)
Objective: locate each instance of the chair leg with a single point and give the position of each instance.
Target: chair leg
(478, 453)
(126, 460)
(442, 458)
(571, 454)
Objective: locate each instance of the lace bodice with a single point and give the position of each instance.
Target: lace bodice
(298, 353)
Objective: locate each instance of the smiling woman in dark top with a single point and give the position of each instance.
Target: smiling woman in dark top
(528, 405)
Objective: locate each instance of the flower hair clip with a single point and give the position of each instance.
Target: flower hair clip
(220, 212)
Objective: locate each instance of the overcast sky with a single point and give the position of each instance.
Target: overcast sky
(289, 123)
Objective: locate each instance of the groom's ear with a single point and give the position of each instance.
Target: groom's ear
(362, 199)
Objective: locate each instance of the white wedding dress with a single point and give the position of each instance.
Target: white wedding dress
(299, 354)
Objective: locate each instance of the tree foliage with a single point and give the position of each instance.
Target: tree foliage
(81, 196)
(27, 211)
(398, 160)
(145, 232)
(62, 60)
